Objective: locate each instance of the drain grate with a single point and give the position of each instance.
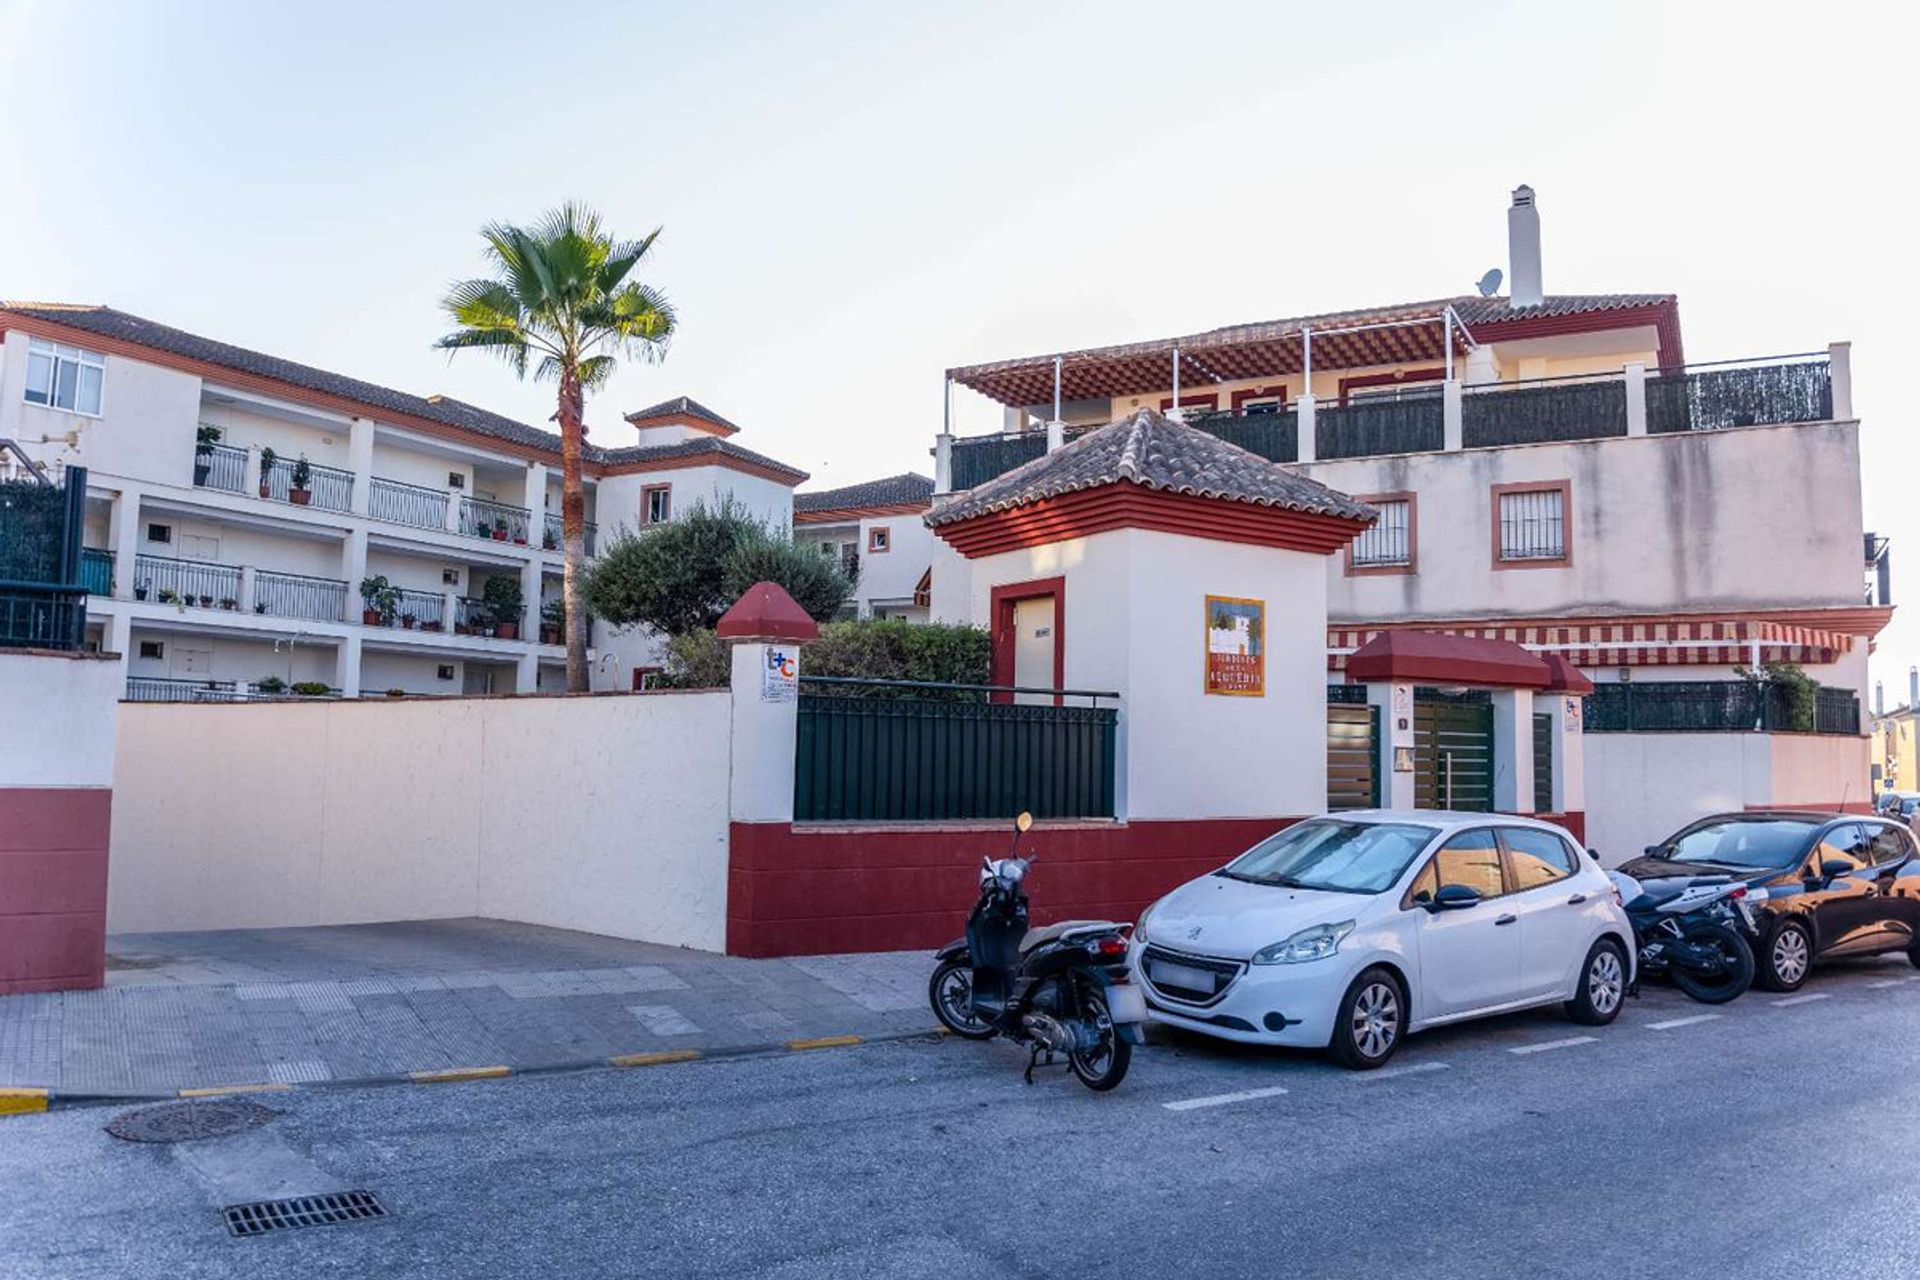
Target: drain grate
(190, 1121)
(335, 1207)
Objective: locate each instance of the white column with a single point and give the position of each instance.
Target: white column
(765, 736)
(346, 667)
(360, 462)
(1056, 434)
(119, 637)
(536, 504)
(453, 510)
(1636, 378)
(449, 610)
(1513, 750)
(526, 673)
(1840, 364)
(1394, 703)
(123, 531)
(530, 583)
(1452, 410)
(1480, 367)
(251, 485)
(943, 463)
(353, 567)
(247, 576)
(1569, 754)
(1304, 429)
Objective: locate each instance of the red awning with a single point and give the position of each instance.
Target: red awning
(1432, 658)
(1566, 678)
(767, 612)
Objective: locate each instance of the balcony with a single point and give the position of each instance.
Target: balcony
(294, 595)
(555, 531)
(164, 689)
(187, 583)
(1775, 391)
(409, 504)
(494, 521)
(328, 488)
(220, 466)
(473, 616)
(96, 571)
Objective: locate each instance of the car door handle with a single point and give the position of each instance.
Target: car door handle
(1506, 920)
(1576, 899)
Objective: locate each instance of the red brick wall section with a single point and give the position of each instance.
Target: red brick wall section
(814, 891)
(53, 888)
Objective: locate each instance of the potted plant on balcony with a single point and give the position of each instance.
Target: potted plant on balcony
(500, 529)
(268, 460)
(299, 489)
(483, 528)
(141, 588)
(380, 598)
(553, 621)
(229, 603)
(408, 621)
(169, 596)
(549, 541)
(311, 689)
(272, 686)
(206, 601)
(208, 437)
(504, 605)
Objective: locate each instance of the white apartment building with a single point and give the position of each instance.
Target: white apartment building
(237, 502)
(877, 530)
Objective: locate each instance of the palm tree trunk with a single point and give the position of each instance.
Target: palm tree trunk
(573, 528)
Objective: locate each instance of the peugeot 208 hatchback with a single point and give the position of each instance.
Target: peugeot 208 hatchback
(1350, 931)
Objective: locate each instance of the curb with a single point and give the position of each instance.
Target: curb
(34, 1100)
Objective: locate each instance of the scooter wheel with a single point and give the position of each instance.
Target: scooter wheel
(950, 991)
(1736, 974)
(1103, 1066)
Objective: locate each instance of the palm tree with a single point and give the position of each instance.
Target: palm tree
(560, 291)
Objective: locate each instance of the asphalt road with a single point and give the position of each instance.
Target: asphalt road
(1772, 1139)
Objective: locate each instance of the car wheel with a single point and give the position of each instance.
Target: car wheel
(1603, 985)
(1371, 1022)
(1783, 964)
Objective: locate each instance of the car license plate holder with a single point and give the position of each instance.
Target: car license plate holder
(1168, 974)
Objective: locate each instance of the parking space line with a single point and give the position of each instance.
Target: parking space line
(1545, 1045)
(1884, 983)
(1671, 1023)
(1222, 1099)
(1804, 999)
(1390, 1073)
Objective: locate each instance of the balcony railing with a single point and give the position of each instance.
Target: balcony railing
(403, 503)
(190, 583)
(220, 466)
(329, 488)
(495, 521)
(473, 616)
(158, 689)
(294, 595)
(41, 615)
(96, 571)
(421, 610)
(1776, 391)
(551, 536)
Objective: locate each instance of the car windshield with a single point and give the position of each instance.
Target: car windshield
(1328, 853)
(1743, 842)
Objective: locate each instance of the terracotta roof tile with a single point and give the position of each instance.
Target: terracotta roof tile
(891, 492)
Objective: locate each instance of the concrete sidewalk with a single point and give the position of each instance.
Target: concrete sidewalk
(370, 1002)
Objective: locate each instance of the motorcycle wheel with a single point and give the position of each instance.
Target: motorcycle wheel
(1105, 1065)
(1737, 971)
(950, 991)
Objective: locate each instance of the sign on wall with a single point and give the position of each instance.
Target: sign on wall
(780, 678)
(1236, 646)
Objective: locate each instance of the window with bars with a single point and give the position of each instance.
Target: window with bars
(1533, 524)
(1389, 543)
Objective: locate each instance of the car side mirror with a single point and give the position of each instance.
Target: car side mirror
(1594, 854)
(1653, 850)
(1454, 897)
(1833, 868)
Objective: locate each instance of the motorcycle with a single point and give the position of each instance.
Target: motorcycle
(1693, 931)
(1060, 990)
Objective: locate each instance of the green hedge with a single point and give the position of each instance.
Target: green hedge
(870, 649)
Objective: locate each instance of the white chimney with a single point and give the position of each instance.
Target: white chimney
(1879, 698)
(1523, 250)
(1913, 687)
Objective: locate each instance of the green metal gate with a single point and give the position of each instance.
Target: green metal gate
(1353, 753)
(1452, 751)
(1543, 762)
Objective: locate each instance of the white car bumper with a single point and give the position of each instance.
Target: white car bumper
(1277, 1004)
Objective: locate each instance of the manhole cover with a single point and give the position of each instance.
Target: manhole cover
(189, 1121)
(335, 1207)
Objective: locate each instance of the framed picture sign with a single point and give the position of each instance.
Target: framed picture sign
(1236, 653)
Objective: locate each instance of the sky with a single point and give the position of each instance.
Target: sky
(855, 197)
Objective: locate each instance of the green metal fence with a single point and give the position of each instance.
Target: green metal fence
(1274, 436)
(1542, 762)
(1541, 412)
(1369, 426)
(1453, 750)
(920, 760)
(1708, 398)
(1717, 706)
(43, 596)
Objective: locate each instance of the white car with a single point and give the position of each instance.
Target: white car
(1351, 930)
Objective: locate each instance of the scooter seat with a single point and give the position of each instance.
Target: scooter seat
(1065, 928)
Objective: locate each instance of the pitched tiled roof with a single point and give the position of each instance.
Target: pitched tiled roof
(893, 491)
(109, 323)
(681, 407)
(1154, 452)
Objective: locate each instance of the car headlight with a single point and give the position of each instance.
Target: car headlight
(1317, 943)
(1140, 926)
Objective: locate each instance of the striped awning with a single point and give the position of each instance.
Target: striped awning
(1704, 643)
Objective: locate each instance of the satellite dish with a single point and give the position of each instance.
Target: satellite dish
(1490, 283)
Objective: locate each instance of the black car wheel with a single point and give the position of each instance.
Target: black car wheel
(1371, 1022)
(1603, 985)
(1783, 964)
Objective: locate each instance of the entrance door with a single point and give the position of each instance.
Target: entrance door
(1034, 638)
(1353, 748)
(1452, 751)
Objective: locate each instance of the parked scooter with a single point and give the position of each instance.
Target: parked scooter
(1061, 989)
(1693, 931)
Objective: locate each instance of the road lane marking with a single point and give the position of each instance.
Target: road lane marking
(1545, 1045)
(455, 1075)
(220, 1090)
(1222, 1099)
(1671, 1023)
(1806, 999)
(1390, 1073)
(822, 1042)
(653, 1059)
(20, 1102)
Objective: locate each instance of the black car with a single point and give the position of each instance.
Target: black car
(1820, 885)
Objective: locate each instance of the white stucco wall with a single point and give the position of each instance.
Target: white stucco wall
(531, 809)
(61, 710)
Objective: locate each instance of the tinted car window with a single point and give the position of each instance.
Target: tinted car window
(1890, 845)
(1743, 842)
(1471, 858)
(1538, 857)
(1845, 843)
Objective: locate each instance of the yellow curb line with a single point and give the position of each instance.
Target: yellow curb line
(19, 1102)
(653, 1059)
(214, 1091)
(454, 1075)
(823, 1042)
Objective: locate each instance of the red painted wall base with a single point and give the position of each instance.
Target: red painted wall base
(53, 888)
(817, 890)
